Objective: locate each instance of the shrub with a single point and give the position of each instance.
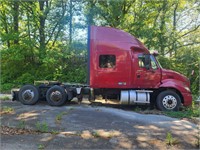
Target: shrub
(25, 78)
(6, 87)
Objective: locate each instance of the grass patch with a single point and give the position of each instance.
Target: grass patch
(71, 108)
(42, 127)
(40, 146)
(54, 132)
(6, 110)
(137, 109)
(190, 112)
(21, 124)
(59, 116)
(4, 98)
(170, 140)
(96, 134)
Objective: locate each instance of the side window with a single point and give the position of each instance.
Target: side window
(141, 60)
(107, 61)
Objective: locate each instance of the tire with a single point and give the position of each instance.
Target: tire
(168, 101)
(28, 95)
(56, 96)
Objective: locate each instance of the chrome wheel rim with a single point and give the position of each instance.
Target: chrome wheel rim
(169, 102)
(56, 96)
(28, 95)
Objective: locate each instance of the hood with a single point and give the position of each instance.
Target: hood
(170, 74)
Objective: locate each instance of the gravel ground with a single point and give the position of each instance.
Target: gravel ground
(86, 126)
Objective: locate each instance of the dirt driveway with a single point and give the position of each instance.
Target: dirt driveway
(90, 127)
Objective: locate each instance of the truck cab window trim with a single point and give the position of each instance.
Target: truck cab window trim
(107, 61)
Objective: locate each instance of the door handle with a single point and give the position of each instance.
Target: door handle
(153, 71)
(138, 75)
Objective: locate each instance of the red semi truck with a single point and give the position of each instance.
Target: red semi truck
(120, 66)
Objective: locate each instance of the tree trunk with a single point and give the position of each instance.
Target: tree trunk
(90, 13)
(174, 30)
(70, 23)
(5, 24)
(16, 21)
(162, 28)
(42, 30)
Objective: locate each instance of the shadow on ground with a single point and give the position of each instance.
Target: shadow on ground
(91, 126)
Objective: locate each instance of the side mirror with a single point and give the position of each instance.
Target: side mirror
(147, 61)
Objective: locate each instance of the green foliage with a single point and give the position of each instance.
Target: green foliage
(54, 132)
(185, 63)
(59, 117)
(6, 110)
(137, 109)
(26, 55)
(96, 134)
(170, 140)
(166, 62)
(189, 112)
(4, 98)
(25, 79)
(42, 127)
(22, 124)
(35, 37)
(6, 86)
(41, 146)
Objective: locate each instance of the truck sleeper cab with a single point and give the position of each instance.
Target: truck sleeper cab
(119, 65)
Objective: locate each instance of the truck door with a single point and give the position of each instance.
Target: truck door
(106, 71)
(147, 77)
(113, 69)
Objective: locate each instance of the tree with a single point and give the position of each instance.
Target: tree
(40, 39)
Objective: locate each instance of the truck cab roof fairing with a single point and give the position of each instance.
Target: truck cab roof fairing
(117, 38)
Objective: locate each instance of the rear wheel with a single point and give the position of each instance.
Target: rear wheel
(56, 96)
(168, 100)
(28, 95)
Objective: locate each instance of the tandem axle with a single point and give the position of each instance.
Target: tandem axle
(57, 94)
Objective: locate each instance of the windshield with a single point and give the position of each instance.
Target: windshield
(155, 60)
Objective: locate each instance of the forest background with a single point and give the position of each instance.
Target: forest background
(47, 39)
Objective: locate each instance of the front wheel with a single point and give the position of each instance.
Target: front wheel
(168, 100)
